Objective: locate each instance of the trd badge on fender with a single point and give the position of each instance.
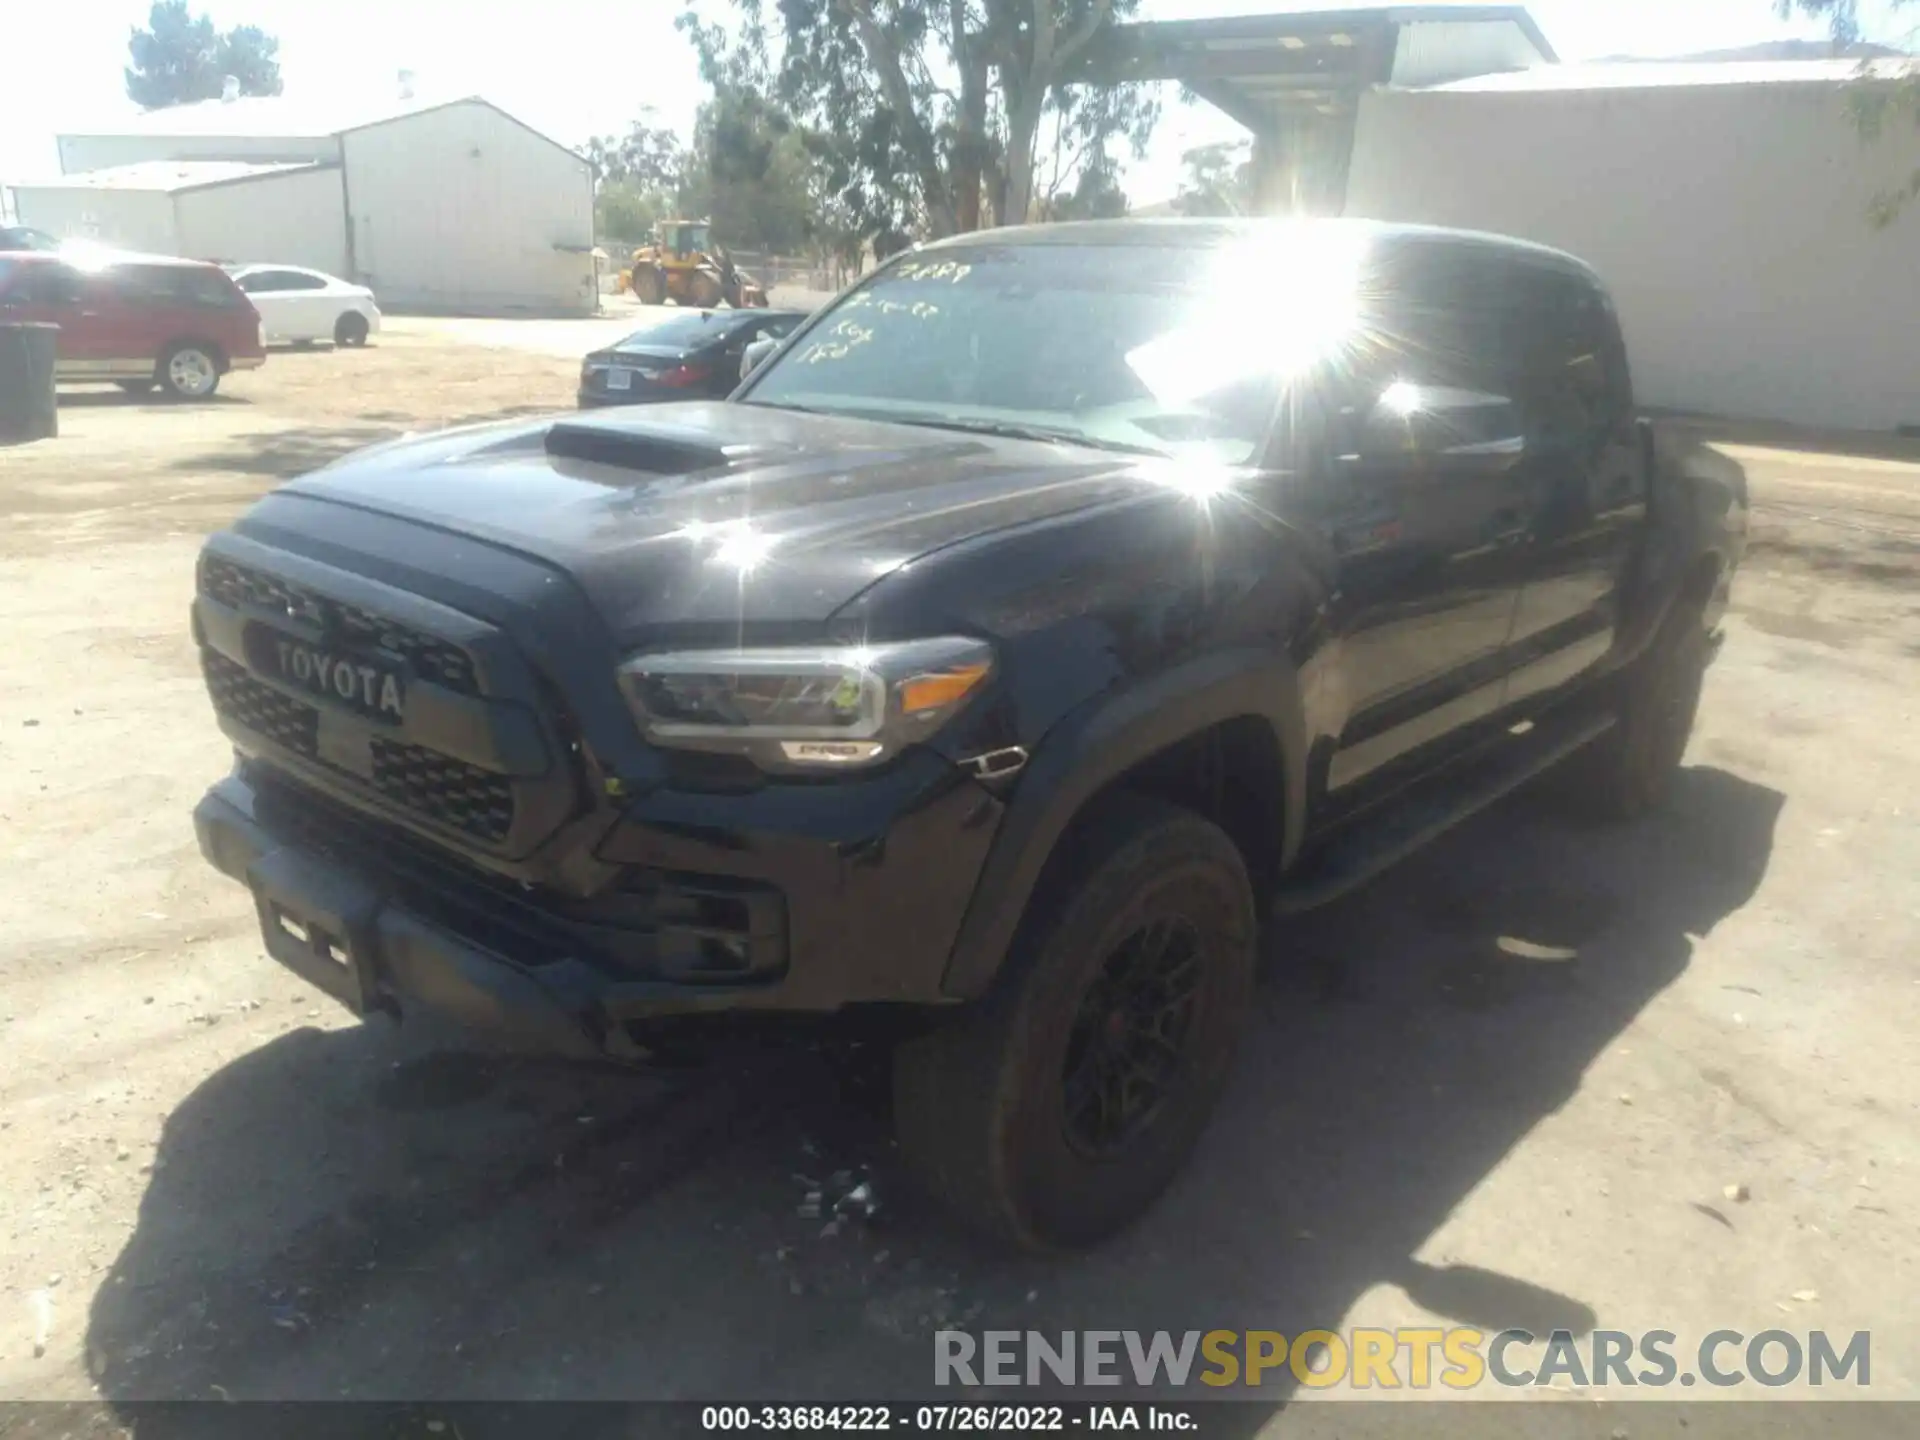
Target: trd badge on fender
(373, 690)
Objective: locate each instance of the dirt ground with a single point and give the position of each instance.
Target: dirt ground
(215, 1184)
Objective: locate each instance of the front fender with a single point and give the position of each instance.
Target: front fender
(1095, 744)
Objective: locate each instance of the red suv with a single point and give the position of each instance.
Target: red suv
(136, 321)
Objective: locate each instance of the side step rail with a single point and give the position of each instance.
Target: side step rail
(1350, 861)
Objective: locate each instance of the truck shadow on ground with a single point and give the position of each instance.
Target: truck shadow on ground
(389, 1214)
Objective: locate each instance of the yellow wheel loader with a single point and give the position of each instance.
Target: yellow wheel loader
(681, 263)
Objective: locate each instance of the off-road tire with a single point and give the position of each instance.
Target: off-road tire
(351, 329)
(980, 1104)
(1630, 770)
(648, 286)
(704, 292)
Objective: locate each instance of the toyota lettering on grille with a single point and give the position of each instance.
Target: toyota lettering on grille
(370, 688)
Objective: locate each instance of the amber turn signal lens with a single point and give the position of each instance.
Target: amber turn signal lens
(937, 691)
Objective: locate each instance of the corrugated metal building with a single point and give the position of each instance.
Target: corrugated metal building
(202, 208)
(451, 205)
(1725, 204)
(1295, 78)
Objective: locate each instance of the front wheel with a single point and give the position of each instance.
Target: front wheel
(1056, 1112)
(648, 286)
(350, 329)
(188, 372)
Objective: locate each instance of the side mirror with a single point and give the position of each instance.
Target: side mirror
(1437, 424)
(751, 357)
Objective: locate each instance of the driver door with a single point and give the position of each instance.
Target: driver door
(1425, 511)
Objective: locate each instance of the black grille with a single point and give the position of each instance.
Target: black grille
(448, 791)
(436, 787)
(280, 718)
(431, 657)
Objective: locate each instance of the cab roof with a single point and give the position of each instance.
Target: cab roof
(1213, 234)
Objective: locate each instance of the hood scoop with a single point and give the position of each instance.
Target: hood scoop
(643, 451)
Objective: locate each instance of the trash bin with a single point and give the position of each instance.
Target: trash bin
(26, 382)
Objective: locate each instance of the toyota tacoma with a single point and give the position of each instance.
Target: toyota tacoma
(1045, 620)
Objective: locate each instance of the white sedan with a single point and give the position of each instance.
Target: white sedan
(297, 306)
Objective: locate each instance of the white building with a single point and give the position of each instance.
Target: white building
(1724, 200)
(449, 205)
(1725, 204)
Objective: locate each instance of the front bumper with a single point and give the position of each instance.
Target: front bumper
(408, 927)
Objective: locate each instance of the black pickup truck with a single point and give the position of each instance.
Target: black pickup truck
(1048, 616)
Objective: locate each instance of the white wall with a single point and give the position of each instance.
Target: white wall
(1729, 221)
(81, 153)
(460, 208)
(297, 218)
(131, 219)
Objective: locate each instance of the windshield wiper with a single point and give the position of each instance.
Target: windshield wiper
(1005, 429)
(1014, 430)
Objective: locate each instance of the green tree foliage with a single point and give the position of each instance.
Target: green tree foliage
(748, 172)
(1882, 107)
(1216, 180)
(624, 212)
(928, 114)
(638, 178)
(1096, 195)
(648, 157)
(180, 58)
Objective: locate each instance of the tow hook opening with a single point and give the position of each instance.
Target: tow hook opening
(996, 764)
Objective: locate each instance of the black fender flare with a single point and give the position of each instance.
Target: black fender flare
(1697, 509)
(1093, 745)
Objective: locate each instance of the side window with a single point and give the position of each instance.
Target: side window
(1430, 333)
(170, 285)
(296, 280)
(1572, 386)
(1542, 337)
(45, 285)
(778, 329)
(269, 282)
(206, 287)
(138, 285)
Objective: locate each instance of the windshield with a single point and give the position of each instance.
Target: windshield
(686, 239)
(1137, 347)
(25, 237)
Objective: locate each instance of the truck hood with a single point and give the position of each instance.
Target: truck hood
(709, 513)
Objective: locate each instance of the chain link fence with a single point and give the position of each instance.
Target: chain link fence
(800, 273)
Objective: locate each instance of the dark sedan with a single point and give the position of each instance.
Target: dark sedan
(690, 355)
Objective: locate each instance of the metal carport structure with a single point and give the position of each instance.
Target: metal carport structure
(1295, 79)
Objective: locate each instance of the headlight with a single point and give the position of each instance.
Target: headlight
(834, 707)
